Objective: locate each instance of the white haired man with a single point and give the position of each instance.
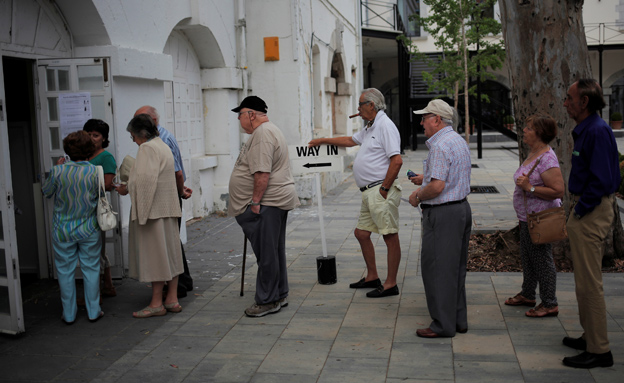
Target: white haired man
(375, 170)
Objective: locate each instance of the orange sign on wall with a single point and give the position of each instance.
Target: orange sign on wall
(271, 49)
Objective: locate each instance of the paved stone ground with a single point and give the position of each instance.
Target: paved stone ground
(328, 332)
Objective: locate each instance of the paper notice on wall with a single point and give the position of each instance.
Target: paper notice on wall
(74, 111)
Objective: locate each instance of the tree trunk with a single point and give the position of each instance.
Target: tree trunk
(547, 52)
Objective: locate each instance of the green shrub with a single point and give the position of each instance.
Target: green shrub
(617, 116)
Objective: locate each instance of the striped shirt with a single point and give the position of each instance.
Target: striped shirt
(171, 142)
(448, 161)
(74, 186)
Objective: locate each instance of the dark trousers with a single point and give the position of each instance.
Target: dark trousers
(267, 234)
(185, 281)
(446, 233)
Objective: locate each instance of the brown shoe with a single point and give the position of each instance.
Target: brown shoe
(426, 333)
(519, 300)
(543, 311)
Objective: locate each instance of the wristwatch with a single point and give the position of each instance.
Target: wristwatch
(255, 203)
(532, 190)
(384, 189)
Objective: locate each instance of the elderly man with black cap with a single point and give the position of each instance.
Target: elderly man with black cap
(446, 221)
(262, 191)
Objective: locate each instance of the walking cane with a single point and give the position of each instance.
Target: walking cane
(244, 259)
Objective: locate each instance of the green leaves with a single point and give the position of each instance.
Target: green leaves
(457, 27)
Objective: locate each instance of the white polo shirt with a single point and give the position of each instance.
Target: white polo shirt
(377, 143)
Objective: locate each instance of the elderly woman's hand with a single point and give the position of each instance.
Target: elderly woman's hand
(523, 182)
(121, 189)
(60, 161)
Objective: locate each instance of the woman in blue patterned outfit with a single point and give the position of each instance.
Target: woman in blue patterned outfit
(76, 234)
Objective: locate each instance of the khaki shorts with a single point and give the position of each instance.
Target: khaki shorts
(379, 215)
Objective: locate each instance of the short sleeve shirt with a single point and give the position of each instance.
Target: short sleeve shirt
(449, 161)
(106, 161)
(171, 142)
(266, 151)
(534, 204)
(377, 143)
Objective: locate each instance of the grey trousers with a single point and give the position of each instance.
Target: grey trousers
(446, 233)
(267, 234)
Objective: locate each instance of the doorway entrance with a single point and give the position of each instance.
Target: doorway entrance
(19, 88)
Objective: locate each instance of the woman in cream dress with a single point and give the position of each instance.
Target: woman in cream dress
(154, 243)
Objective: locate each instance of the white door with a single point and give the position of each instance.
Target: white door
(90, 75)
(11, 313)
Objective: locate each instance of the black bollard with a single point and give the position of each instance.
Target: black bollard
(326, 269)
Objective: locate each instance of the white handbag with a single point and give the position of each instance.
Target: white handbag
(106, 217)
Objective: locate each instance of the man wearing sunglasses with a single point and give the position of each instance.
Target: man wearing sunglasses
(446, 221)
(375, 170)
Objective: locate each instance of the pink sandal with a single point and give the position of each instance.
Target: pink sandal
(542, 311)
(519, 300)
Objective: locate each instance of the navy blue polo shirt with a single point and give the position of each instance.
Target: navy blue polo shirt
(595, 163)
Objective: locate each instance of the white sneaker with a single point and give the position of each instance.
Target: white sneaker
(283, 302)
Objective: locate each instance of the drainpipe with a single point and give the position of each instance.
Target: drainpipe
(241, 23)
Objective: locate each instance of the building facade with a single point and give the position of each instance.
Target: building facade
(193, 60)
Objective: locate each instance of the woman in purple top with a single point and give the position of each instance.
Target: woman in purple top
(543, 189)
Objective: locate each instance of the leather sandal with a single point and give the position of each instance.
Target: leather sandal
(173, 307)
(543, 311)
(150, 312)
(519, 300)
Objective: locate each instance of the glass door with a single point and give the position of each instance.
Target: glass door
(66, 76)
(11, 313)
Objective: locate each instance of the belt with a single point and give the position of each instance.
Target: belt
(427, 206)
(370, 185)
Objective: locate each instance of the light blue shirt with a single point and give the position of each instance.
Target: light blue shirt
(170, 140)
(448, 161)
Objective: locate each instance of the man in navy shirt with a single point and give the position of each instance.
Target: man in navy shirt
(594, 178)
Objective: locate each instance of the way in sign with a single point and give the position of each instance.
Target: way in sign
(304, 151)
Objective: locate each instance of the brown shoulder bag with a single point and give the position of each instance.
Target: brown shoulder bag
(548, 225)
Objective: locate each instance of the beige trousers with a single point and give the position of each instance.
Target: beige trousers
(586, 242)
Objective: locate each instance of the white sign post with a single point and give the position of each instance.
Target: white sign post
(323, 158)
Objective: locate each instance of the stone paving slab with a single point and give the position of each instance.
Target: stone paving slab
(327, 333)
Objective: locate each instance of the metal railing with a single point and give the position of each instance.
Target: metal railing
(380, 15)
(604, 33)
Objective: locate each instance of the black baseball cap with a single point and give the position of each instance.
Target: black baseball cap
(252, 102)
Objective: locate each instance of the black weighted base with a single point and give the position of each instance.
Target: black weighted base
(326, 269)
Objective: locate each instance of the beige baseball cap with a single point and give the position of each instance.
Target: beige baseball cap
(438, 107)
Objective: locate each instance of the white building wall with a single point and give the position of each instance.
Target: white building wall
(287, 85)
(230, 65)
